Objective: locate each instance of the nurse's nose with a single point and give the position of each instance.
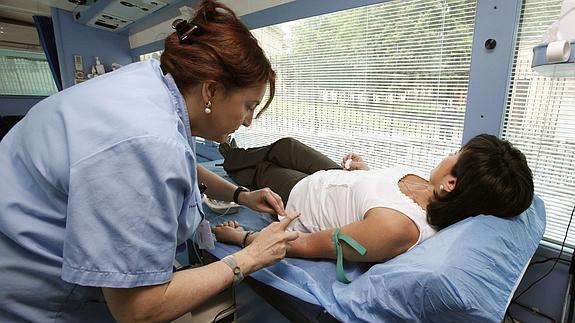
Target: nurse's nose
(248, 119)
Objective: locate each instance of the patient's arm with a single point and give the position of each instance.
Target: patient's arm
(385, 233)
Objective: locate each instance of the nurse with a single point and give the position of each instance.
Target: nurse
(99, 184)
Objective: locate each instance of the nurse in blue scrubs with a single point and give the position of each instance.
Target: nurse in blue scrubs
(99, 183)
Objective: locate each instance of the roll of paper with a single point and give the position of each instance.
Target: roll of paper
(347, 164)
(558, 51)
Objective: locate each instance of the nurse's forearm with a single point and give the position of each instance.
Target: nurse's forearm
(307, 245)
(218, 188)
(187, 289)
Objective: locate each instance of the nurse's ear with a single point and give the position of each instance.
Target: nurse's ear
(209, 90)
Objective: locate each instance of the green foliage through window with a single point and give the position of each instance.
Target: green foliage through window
(387, 80)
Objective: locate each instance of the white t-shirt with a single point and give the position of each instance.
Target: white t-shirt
(334, 198)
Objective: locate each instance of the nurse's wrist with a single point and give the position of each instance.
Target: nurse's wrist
(246, 261)
(238, 193)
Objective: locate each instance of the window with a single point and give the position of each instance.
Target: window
(25, 73)
(388, 81)
(540, 118)
(152, 55)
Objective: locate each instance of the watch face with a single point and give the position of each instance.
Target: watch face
(237, 271)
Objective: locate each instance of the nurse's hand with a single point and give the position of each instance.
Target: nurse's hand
(263, 200)
(271, 244)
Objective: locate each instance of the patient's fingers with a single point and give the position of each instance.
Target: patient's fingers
(348, 159)
(229, 223)
(344, 159)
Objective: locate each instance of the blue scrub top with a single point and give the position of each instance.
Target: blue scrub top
(98, 186)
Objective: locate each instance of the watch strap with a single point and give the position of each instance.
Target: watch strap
(231, 262)
(237, 193)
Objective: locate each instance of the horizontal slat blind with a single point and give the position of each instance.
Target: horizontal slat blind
(388, 81)
(540, 120)
(25, 74)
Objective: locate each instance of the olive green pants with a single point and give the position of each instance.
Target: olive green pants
(278, 166)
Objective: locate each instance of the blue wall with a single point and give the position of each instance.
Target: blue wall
(490, 68)
(75, 39)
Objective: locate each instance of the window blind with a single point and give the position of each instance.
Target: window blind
(388, 81)
(25, 73)
(539, 120)
(153, 55)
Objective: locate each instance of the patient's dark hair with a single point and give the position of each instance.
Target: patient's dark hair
(492, 178)
(222, 49)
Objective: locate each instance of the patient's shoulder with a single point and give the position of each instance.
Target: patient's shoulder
(390, 216)
(394, 224)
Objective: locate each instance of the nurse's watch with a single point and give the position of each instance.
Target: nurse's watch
(231, 262)
(237, 193)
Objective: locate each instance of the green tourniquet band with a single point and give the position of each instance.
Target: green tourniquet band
(335, 237)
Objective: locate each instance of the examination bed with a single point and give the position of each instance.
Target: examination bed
(465, 273)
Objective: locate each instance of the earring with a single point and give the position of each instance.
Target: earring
(441, 187)
(208, 108)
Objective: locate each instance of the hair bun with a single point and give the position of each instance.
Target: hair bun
(207, 10)
(211, 11)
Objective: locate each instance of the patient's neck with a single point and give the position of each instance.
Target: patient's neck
(418, 189)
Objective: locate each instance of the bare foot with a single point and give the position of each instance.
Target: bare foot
(229, 232)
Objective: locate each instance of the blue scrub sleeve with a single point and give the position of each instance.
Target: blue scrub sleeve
(123, 209)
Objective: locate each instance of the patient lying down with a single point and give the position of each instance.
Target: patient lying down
(378, 213)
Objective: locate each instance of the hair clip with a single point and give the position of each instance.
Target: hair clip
(184, 29)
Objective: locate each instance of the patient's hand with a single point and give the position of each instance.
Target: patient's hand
(229, 232)
(353, 161)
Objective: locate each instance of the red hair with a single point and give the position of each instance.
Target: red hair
(223, 50)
